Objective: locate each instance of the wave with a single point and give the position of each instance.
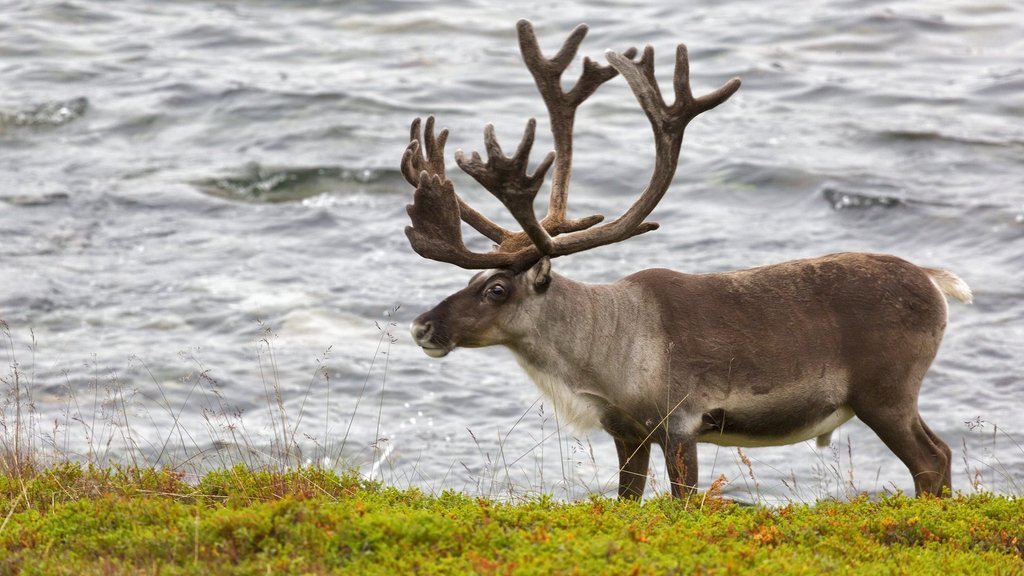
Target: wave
(940, 137)
(257, 183)
(28, 200)
(843, 200)
(56, 113)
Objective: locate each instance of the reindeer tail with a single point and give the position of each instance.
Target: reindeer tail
(950, 284)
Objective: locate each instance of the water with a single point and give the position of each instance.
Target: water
(200, 204)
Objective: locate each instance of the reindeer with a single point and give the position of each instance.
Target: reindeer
(760, 357)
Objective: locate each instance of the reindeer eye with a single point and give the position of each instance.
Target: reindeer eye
(497, 293)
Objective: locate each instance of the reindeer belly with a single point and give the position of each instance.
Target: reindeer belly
(760, 429)
(766, 399)
(786, 414)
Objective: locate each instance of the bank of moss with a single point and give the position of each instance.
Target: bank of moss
(75, 520)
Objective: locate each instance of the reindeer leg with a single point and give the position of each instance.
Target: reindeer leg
(634, 457)
(927, 457)
(681, 462)
(947, 474)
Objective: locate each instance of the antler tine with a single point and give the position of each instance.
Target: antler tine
(506, 178)
(561, 105)
(685, 102)
(432, 147)
(668, 124)
(425, 153)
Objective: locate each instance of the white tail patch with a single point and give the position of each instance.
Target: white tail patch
(950, 284)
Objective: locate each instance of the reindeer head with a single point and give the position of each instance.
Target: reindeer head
(497, 307)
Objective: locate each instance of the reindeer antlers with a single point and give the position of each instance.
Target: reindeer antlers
(432, 162)
(547, 73)
(437, 209)
(674, 118)
(506, 178)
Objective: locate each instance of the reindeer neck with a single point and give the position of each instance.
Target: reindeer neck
(588, 327)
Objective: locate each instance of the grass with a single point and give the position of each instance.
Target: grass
(171, 507)
(73, 519)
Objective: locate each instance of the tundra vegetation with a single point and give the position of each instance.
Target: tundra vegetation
(74, 519)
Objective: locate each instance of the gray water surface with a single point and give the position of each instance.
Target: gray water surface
(201, 221)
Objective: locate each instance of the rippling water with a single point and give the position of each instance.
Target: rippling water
(201, 219)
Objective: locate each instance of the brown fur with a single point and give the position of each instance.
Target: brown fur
(753, 357)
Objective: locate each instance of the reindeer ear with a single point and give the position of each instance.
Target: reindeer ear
(539, 275)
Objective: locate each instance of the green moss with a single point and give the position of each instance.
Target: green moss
(73, 520)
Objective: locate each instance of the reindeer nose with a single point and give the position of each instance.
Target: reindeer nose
(421, 331)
